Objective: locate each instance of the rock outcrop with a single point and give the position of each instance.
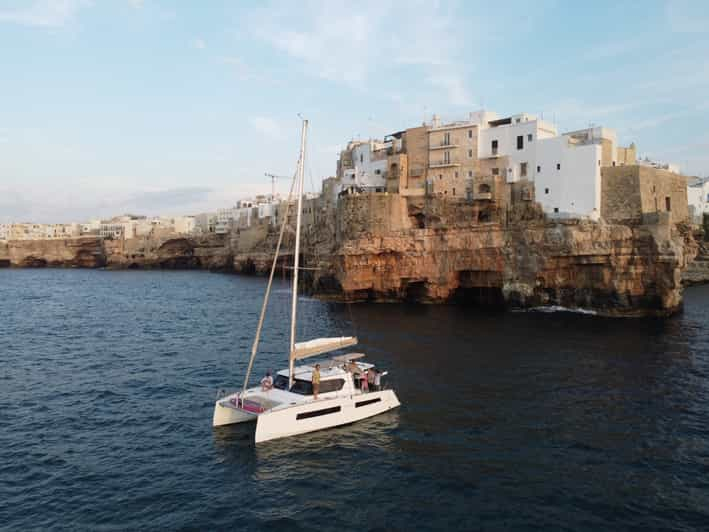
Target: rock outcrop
(383, 247)
(212, 253)
(73, 252)
(177, 252)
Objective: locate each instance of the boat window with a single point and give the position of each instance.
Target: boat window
(302, 387)
(281, 382)
(331, 385)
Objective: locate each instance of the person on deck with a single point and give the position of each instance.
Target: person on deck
(315, 379)
(267, 382)
(371, 373)
(364, 382)
(378, 381)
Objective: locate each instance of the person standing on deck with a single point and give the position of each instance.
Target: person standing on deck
(315, 379)
(364, 382)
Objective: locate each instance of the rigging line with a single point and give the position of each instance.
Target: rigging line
(254, 347)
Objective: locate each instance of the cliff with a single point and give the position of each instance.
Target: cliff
(74, 252)
(211, 253)
(384, 247)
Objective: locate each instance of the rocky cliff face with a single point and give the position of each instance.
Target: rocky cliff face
(75, 252)
(211, 253)
(390, 248)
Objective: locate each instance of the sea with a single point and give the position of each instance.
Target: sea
(508, 421)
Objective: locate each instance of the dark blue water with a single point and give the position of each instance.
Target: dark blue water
(508, 421)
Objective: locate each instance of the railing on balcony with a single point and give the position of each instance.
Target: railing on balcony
(443, 163)
(444, 145)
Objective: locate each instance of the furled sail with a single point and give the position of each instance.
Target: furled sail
(318, 346)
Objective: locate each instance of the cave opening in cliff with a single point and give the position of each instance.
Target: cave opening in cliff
(480, 288)
(480, 296)
(415, 291)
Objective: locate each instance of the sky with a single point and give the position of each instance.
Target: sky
(179, 107)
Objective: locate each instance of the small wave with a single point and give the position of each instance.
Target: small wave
(558, 308)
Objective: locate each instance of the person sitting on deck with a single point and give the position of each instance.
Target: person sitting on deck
(267, 382)
(364, 382)
(315, 379)
(371, 374)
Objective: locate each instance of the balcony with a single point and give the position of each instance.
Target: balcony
(443, 164)
(443, 146)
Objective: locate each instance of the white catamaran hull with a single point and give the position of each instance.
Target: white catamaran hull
(309, 416)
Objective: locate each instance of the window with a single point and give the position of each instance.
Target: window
(440, 176)
(367, 402)
(668, 204)
(378, 171)
(446, 139)
(556, 209)
(495, 171)
(539, 168)
(546, 191)
(456, 175)
(599, 162)
(470, 154)
(470, 133)
(331, 385)
(494, 147)
(470, 173)
(446, 157)
(454, 191)
(529, 137)
(299, 386)
(315, 413)
(558, 166)
(520, 142)
(361, 157)
(523, 169)
(517, 120)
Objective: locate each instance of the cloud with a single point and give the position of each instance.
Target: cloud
(334, 42)
(684, 16)
(266, 126)
(199, 44)
(239, 67)
(45, 13)
(136, 4)
(453, 87)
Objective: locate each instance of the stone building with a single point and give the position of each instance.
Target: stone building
(452, 157)
(407, 161)
(638, 194)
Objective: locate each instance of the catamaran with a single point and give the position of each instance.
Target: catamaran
(290, 407)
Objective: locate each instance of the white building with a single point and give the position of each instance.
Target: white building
(183, 224)
(205, 223)
(698, 198)
(514, 138)
(567, 177)
(565, 169)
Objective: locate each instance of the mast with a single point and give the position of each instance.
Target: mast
(294, 304)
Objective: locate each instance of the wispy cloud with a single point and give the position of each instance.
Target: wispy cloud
(685, 16)
(136, 4)
(199, 44)
(239, 67)
(352, 46)
(45, 13)
(267, 126)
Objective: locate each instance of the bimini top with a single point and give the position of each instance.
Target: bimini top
(318, 346)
